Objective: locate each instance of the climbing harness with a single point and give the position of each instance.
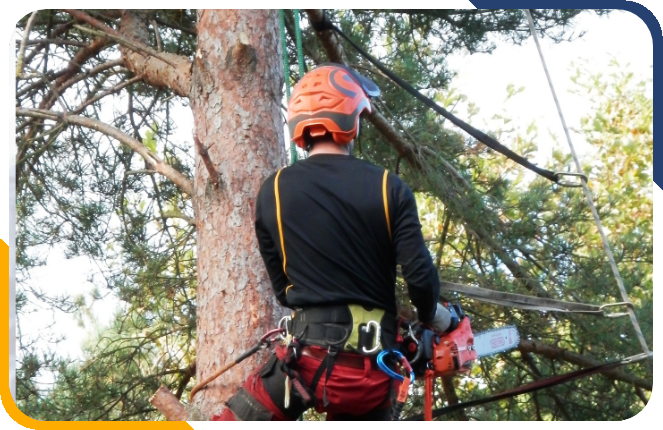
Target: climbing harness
(347, 328)
(440, 355)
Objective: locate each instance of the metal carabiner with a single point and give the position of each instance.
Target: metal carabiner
(637, 357)
(619, 314)
(410, 334)
(571, 184)
(283, 324)
(378, 333)
(391, 373)
(265, 339)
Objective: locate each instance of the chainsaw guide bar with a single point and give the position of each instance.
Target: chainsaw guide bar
(496, 340)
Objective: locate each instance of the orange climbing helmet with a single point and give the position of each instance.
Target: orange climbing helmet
(329, 99)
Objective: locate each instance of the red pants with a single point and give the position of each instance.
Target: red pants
(352, 393)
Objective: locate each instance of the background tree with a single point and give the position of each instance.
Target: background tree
(170, 222)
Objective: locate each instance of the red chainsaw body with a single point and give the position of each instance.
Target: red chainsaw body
(455, 351)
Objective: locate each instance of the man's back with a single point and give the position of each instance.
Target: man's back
(340, 244)
(331, 230)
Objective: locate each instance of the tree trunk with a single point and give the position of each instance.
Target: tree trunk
(236, 98)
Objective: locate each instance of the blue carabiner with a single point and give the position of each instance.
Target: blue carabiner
(386, 368)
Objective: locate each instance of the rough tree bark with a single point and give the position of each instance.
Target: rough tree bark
(235, 98)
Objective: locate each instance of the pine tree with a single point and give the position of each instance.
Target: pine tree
(171, 223)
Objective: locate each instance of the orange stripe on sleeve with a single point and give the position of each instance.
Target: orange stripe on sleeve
(278, 216)
(386, 201)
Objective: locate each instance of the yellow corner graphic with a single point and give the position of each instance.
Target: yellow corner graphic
(7, 400)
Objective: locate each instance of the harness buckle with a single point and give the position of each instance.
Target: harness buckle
(378, 332)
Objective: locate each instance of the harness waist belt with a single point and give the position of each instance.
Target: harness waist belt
(344, 327)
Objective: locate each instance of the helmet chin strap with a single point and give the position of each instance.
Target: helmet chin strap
(351, 147)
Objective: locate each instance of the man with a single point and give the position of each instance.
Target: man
(331, 230)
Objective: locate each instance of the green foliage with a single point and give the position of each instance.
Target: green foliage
(484, 220)
(551, 233)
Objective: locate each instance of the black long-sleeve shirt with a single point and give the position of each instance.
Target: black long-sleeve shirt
(334, 244)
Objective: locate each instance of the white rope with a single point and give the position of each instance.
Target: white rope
(590, 199)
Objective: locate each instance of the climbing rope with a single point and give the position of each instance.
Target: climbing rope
(286, 75)
(531, 387)
(588, 195)
(265, 342)
(286, 64)
(298, 43)
(556, 177)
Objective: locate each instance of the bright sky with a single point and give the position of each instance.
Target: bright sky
(482, 77)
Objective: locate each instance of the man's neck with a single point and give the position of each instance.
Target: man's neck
(328, 148)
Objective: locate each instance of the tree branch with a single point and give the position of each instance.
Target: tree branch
(193, 31)
(76, 63)
(79, 77)
(141, 58)
(452, 397)
(105, 93)
(57, 42)
(556, 353)
(159, 165)
(527, 358)
(211, 170)
(144, 50)
(641, 395)
(24, 41)
(169, 405)
(179, 215)
(157, 37)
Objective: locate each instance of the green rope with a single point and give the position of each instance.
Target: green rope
(298, 44)
(286, 64)
(298, 37)
(286, 74)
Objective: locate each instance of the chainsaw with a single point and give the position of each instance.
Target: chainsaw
(453, 352)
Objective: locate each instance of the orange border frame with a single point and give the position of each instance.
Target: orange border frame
(7, 400)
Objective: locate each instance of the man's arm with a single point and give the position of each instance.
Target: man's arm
(269, 251)
(411, 253)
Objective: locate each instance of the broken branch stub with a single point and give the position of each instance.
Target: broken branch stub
(169, 405)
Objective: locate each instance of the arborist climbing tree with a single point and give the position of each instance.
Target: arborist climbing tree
(170, 219)
(331, 230)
